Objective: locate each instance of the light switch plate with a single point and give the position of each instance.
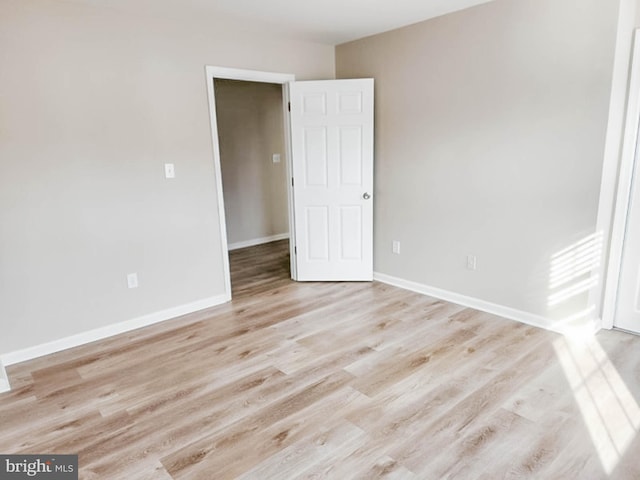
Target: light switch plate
(472, 262)
(132, 280)
(169, 170)
(276, 158)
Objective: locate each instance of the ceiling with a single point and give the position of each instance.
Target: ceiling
(325, 21)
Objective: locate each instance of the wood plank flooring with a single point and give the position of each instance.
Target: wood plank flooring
(335, 381)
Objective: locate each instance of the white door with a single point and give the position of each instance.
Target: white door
(332, 170)
(627, 314)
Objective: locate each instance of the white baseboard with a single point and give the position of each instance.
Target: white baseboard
(109, 330)
(257, 241)
(4, 380)
(484, 306)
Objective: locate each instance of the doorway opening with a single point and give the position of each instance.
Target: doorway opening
(252, 179)
(254, 176)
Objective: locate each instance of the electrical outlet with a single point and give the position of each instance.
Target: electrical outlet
(471, 262)
(276, 158)
(396, 247)
(132, 280)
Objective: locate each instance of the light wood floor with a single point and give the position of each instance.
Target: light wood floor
(336, 381)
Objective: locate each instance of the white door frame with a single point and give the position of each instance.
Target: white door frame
(213, 72)
(623, 196)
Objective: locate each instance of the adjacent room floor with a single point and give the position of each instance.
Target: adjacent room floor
(332, 380)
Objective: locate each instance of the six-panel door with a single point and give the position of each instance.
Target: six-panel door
(332, 161)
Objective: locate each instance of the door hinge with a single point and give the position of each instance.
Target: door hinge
(289, 106)
(295, 250)
(292, 181)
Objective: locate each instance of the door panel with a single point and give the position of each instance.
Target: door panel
(332, 167)
(317, 234)
(350, 233)
(315, 157)
(350, 157)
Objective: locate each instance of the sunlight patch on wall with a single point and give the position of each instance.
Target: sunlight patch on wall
(610, 412)
(572, 290)
(575, 261)
(571, 276)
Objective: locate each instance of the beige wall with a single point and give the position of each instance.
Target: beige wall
(93, 102)
(251, 130)
(490, 130)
